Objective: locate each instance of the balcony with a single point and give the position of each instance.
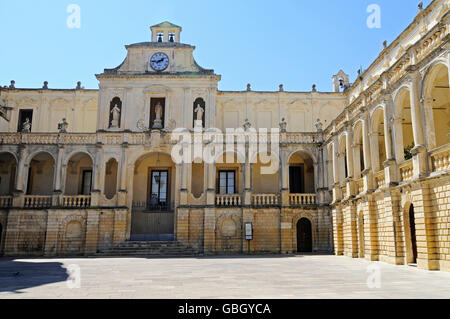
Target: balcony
(297, 200)
(380, 179)
(80, 201)
(440, 158)
(406, 170)
(265, 200)
(233, 200)
(6, 201)
(37, 201)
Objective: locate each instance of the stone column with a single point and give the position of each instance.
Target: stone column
(390, 165)
(96, 176)
(337, 193)
(19, 190)
(419, 150)
(349, 152)
(57, 189)
(211, 184)
(429, 123)
(367, 173)
(284, 178)
(122, 175)
(183, 186)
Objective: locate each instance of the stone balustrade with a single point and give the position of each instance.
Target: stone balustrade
(406, 170)
(37, 201)
(228, 200)
(440, 158)
(380, 179)
(360, 186)
(302, 199)
(260, 200)
(79, 201)
(6, 201)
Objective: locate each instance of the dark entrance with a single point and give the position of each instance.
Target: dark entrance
(297, 179)
(304, 236)
(412, 228)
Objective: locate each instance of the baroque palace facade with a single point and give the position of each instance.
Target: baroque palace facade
(362, 171)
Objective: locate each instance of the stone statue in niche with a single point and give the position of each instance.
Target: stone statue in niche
(62, 127)
(26, 126)
(157, 124)
(319, 126)
(115, 116)
(199, 111)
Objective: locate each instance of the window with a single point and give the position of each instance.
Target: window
(171, 37)
(158, 189)
(297, 179)
(160, 37)
(23, 116)
(227, 182)
(86, 182)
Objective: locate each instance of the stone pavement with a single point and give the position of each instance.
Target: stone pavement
(272, 277)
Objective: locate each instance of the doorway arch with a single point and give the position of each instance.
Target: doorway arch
(410, 234)
(304, 236)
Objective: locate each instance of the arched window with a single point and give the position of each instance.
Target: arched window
(115, 111)
(199, 106)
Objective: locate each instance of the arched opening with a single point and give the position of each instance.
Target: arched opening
(79, 175)
(404, 138)
(111, 168)
(437, 106)
(343, 167)
(361, 238)
(265, 180)
(301, 173)
(304, 236)
(115, 111)
(358, 155)
(378, 141)
(199, 111)
(154, 197)
(41, 175)
(8, 167)
(73, 242)
(410, 234)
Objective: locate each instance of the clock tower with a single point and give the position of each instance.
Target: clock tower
(159, 85)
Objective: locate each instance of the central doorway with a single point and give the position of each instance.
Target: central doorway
(153, 198)
(412, 230)
(304, 236)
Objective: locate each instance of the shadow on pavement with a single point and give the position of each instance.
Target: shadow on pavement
(18, 275)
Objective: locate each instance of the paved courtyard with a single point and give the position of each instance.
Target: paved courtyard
(217, 277)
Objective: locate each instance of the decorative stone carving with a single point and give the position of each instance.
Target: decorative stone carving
(247, 125)
(314, 88)
(157, 124)
(13, 84)
(249, 87)
(319, 126)
(62, 126)
(26, 126)
(115, 116)
(283, 125)
(45, 86)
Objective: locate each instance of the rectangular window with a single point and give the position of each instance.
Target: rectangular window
(297, 179)
(86, 183)
(227, 182)
(159, 189)
(23, 116)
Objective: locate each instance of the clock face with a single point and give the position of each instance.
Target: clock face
(159, 61)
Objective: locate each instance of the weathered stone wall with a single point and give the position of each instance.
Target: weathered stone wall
(384, 219)
(55, 232)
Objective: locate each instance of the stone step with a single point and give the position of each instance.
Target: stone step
(149, 248)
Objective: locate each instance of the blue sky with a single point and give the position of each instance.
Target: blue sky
(265, 43)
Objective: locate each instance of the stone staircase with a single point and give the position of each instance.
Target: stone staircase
(149, 249)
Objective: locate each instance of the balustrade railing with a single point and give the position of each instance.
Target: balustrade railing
(6, 201)
(360, 186)
(380, 179)
(80, 201)
(440, 158)
(228, 200)
(265, 199)
(302, 199)
(406, 170)
(37, 201)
